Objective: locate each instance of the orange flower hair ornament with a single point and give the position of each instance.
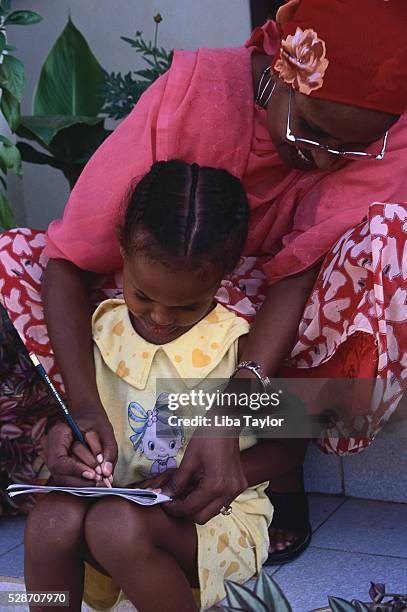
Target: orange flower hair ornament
(348, 51)
(302, 62)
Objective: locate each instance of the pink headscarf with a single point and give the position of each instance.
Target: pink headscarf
(348, 51)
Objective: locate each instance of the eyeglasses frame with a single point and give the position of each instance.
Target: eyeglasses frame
(318, 145)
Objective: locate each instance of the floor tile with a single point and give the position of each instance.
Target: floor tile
(321, 507)
(11, 532)
(380, 472)
(12, 563)
(309, 580)
(272, 569)
(366, 527)
(322, 473)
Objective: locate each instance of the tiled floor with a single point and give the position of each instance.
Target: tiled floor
(11, 546)
(355, 541)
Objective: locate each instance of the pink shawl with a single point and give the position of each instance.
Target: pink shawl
(203, 111)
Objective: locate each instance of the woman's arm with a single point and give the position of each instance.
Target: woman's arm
(274, 330)
(272, 459)
(67, 312)
(65, 293)
(269, 342)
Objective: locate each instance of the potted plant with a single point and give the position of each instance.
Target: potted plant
(12, 81)
(267, 596)
(74, 95)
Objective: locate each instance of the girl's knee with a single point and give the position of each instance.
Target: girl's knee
(57, 520)
(114, 526)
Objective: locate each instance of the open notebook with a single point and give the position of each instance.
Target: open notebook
(144, 497)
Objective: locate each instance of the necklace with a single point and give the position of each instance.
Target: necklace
(262, 88)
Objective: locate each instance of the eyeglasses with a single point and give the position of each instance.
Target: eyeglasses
(312, 144)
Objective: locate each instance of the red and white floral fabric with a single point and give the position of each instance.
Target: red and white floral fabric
(354, 321)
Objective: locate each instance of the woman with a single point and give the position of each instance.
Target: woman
(320, 145)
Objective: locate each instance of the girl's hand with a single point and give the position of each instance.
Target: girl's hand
(70, 463)
(84, 455)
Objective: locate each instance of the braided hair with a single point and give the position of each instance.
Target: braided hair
(186, 214)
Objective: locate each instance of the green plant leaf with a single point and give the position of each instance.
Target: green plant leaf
(77, 143)
(5, 6)
(12, 76)
(70, 149)
(22, 18)
(228, 609)
(5, 140)
(7, 220)
(269, 591)
(359, 606)
(69, 78)
(338, 604)
(9, 155)
(10, 107)
(30, 155)
(242, 598)
(3, 42)
(43, 129)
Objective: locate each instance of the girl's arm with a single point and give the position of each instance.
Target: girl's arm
(68, 317)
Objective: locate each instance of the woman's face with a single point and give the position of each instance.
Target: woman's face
(340, 126)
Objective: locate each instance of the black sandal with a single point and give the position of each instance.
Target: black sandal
(290, 513)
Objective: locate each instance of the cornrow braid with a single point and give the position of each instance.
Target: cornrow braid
(191, 224)
(135, 214)
(187, 212)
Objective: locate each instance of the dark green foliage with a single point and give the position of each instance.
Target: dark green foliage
(12, 82)
(121, 92)
(267, 596)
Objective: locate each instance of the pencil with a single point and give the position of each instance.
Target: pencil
(67, 415)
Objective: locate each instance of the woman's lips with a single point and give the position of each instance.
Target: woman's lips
(292, 156)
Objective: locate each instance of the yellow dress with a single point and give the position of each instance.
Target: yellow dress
(137, 381)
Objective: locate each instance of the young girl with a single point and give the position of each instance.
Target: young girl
(183, 231)
(300, 154)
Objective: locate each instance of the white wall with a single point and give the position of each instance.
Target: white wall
(187, 24)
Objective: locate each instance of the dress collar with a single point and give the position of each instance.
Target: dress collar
(193, 355)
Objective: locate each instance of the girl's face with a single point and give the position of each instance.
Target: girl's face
(340, 126)
(163, 302)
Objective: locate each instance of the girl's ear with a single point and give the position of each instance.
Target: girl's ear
(119, 236)
(286, 12)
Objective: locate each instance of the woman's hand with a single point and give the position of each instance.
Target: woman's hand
(71, 463)
(156, 482)
(210, 476)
